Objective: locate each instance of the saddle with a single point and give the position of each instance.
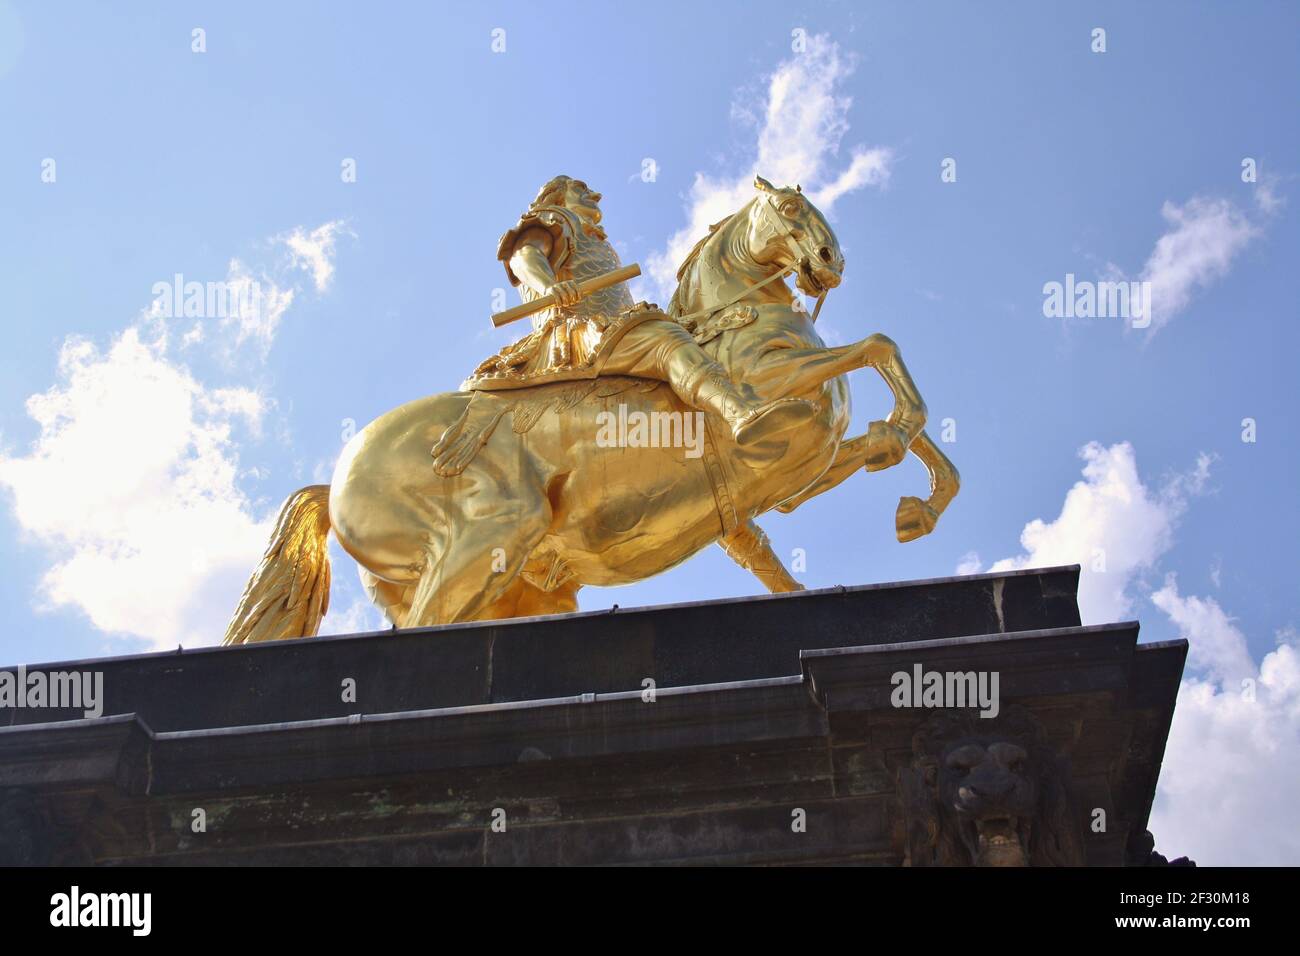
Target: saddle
(456, 448)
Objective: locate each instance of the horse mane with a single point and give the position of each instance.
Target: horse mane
(695, 252)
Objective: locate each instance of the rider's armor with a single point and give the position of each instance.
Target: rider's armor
(565, 340)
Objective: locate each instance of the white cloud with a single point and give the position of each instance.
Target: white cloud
(314, 251)
(1226, 784)
(1203, 238)
(1216, 646)
(869, 167)
(1112, 524)
(803, 124)
(1224, 793)
(132, 484)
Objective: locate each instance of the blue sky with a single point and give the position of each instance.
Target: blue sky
(136, 487)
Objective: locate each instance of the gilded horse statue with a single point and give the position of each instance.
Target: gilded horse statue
(542, 508)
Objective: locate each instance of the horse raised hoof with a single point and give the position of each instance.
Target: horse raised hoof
(773, 419)
(914, 519)
(886, 446)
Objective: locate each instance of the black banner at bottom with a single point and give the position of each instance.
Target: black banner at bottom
(333, 905)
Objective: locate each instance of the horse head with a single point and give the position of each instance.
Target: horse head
(786, 230)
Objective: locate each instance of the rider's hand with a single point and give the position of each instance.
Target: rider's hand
(566, 293)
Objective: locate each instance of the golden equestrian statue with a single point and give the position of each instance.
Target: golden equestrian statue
(503, 499)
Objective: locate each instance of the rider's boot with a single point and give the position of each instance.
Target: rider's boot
(751, 419)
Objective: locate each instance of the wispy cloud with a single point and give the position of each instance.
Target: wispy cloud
(1216, 645)
(260, 302)
(1197, 249)
(1267, 199)
(1202, 238)
(314, 250)
(799, 136)
(254, 299)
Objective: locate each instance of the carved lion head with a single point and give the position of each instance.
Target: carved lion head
(986, 792)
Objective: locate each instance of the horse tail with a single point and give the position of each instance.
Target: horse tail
(289, 592)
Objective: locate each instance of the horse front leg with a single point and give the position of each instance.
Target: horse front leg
(789, 373)
(849, 457)
(750, 548)
(783, 373)
(890, 439)
(914, 517)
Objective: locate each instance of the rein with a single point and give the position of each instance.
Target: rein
(738, 296)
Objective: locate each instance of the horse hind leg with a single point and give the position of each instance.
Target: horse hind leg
(533, 601)
(475, 563)
(522, 599)
(393, 600)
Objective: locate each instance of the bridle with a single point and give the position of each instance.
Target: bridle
(787, 233)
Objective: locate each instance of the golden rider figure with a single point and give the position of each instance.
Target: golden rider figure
(559, 242)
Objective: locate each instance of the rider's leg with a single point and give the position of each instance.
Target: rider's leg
(663, 350)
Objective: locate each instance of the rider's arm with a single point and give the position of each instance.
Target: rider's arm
(531, 265)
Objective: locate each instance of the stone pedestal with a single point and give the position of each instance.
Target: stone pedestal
(756, 730)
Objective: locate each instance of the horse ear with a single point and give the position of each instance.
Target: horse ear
(762, 185)
(798, 188)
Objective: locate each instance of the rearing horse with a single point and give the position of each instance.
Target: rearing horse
(544, 509)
